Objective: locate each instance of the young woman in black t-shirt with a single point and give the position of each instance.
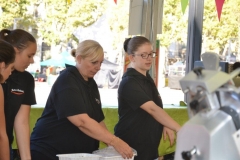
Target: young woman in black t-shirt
(7, 56)
(141, 117)
(19, 89)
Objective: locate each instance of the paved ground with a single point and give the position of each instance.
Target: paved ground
(170, 97)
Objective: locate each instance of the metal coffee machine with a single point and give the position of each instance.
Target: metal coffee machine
(212, 131)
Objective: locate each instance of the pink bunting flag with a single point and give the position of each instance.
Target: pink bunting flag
(219, 5)
(115, 1)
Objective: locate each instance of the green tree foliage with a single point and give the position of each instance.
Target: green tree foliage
(174, 23)
(62, 18)
(14, 12)
(59, 18)
(215, 33)
(118, 16)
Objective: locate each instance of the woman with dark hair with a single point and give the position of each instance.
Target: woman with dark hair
(141, 117)
(7, 56)
(19, 89)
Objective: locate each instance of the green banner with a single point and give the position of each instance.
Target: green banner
(184, 4)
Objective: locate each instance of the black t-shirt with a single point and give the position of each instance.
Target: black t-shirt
(135, 126)
(18, 89)
(70, 95)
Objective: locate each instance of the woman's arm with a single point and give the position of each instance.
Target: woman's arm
(95, 130)
(22, 131)
(160, 115)
(4, 144)
(103, 125)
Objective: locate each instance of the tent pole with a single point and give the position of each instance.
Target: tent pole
(194, 38)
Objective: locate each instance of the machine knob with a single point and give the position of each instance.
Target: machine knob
(187, 155)
(194, 104)
(198, 71)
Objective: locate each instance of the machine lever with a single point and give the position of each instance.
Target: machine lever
(187, 155)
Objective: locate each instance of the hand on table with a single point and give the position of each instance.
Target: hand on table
(122, 147)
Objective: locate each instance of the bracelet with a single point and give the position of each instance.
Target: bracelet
(110, 143)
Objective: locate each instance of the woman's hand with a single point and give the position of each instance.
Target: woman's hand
(99, 131)
(122, 147)
(170, 133)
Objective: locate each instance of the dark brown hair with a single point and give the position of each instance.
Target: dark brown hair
(17, 38)
(7, 54)
(131, 45)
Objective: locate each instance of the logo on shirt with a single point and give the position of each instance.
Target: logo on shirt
(97, 100)
(17, 91)
(159, 97)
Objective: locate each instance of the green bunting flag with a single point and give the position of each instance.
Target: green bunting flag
(184, 4)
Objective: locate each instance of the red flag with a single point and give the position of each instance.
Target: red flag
(219, 5)
(115, 1)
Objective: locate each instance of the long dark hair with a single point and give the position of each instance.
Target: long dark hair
(131, 45)
(17, 38)
(7, 54)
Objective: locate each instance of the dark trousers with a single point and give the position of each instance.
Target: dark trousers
(39, 156)
(11, 153)
(14, 154)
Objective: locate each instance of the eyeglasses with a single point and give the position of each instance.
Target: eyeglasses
(145, 56)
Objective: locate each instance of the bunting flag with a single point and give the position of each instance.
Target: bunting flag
(115, 1)
(219, 5)
(184, 4)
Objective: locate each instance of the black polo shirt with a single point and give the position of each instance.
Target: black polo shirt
(135, 126)
(18, 89)
(70, 95)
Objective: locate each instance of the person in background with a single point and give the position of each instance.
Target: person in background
(36, 76)
(72, 120)
(19, 90)
(7, 57)
(142, 119)
(236, 79)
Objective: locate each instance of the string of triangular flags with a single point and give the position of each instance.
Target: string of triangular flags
(184, 3)
(69, 1)
(219, 5)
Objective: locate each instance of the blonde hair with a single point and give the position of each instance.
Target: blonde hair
(88, 48)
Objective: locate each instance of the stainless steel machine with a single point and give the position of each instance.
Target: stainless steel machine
(212, 131)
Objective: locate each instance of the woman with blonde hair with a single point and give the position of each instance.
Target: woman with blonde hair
(72, 121)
